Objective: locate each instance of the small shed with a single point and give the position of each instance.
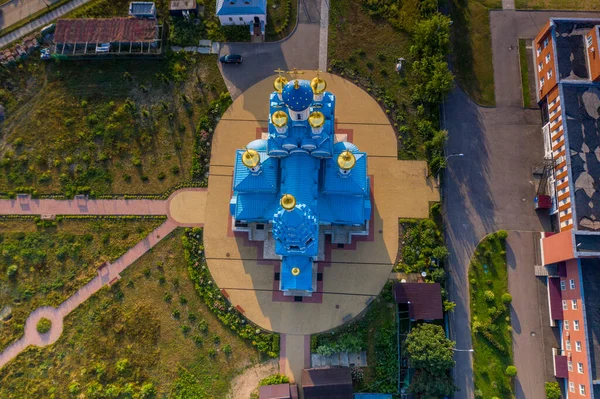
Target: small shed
(142, 9)
(180, 8)
(327, 383)
(279, 391)
(424, 300)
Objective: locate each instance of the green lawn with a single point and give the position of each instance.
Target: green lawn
(52, 263)
(524, 73)
(591, 5)
(281, 18)
(472, 44)
(149, 328)
(125, 126)
(490, 318)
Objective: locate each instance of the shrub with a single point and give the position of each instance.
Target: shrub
(511, 371)
(215, 338)
(203, 325)
(12, 271)
(122, 366)
(552, 390)
(44, 325)
(212, 352)
(176, 313)
(489, 295)
(506, 298)
(227, 349)
(357, 374)
(326, 350)
(167, 297)
(502, 234)
(185, 329)
(197, 340)
(274, 379)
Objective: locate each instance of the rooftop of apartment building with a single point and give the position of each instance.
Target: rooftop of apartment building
(581, 107)
(571, 54)
(590, 273)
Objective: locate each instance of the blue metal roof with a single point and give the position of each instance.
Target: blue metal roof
(301, 282)
(299, 160)
(263, 181)
(297, 98)
(372, 396)
(241, 7)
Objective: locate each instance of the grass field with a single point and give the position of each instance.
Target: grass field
(52, 263)
(524, 73)
(472, 44)
(591, 5)
(279, 19)
(150, 328)
(490, 318)
(125, 126)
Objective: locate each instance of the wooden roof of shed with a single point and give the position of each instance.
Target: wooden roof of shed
(424, 299)
(105, 30)
(327, 383)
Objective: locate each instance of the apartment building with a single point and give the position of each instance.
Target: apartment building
(567, 69)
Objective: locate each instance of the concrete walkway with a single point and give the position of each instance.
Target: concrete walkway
(184, 207)
(20, 9)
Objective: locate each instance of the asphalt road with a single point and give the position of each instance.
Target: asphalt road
(299, 50)
(492, 188)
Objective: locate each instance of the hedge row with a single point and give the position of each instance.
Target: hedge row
(265, 341)
(286, 21)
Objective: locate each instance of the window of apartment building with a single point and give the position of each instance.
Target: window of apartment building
(241, 19)
(566, 324)
(576, 325)
(540, 66)
(574, 304)
(563, 285)
(582, 390)
(547, 58)
(588, 40)
(570, 365)
(578, 346)
(565, 307)
(546, 41)
(572, 284)
(539, 51)
(230, 19)
(568, 344)
(571, 386)
(580, 368)
(542, 82)
(549, 74)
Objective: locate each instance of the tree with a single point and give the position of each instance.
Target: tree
(552, 390)
(433, 79)
(431, 386)
(431, 37)
(429, 349)
(511, 371)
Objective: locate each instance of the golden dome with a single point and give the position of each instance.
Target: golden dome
(278, 84)
(295, 271)
(346, 160)
(279, 118)
(250, 158)
(316, 119)
(288, 202)
(318, 85)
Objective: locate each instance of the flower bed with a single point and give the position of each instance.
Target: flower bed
(265, 341)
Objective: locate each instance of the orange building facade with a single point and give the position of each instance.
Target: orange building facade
(567, 70)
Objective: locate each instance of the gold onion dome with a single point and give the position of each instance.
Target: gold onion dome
(318, 85)
(279, 118)
(295, 271)
(316, 119)
(250, 158)
(346, 160)
(279, 83)
(288, 202)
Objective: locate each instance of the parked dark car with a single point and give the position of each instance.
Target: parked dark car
(231, 59)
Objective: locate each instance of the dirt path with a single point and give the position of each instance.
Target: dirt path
(243, 385)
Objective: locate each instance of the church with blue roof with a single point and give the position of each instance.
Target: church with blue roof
(298, 184)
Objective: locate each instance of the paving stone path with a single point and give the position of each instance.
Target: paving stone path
(108, 273)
